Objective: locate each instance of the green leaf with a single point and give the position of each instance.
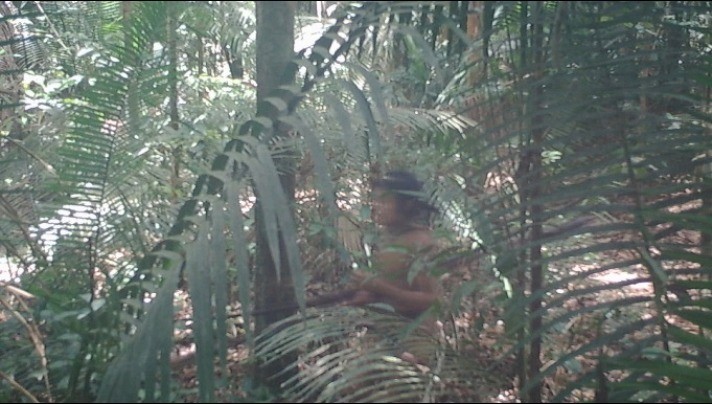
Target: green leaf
(286, 225)
(353, 146)
(127, 374)
(698, 317)
(266, 191)
(683, 375)
(239, 239)
(197, 271)
(374, 142)
(219, 279)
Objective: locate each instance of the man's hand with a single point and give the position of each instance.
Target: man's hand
(406, 300)
(357, 278)
(362, 279)
(360, 298)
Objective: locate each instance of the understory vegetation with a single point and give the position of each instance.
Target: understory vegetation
(146, 178)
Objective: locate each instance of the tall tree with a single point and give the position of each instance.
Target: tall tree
(273, 283)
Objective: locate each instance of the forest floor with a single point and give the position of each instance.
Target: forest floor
(480, 325)
(487, 342)
(484, 335)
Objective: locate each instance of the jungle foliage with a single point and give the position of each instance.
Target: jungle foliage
(566, 144)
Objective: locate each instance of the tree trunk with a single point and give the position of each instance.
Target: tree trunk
(10, 83)
(536, 210)
(275, 49)
(177, 155)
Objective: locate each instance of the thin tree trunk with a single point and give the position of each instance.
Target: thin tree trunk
(133, 93)
(275, 49)
(173, 100)
(522, 173)
(474, 31)
(535, 252)
(10, 84)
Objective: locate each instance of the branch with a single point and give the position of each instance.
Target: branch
(328, 299)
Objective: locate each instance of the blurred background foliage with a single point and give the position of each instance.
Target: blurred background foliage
(566, 144)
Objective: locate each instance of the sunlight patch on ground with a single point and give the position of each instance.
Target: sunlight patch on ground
(619, 275)
(9, 271)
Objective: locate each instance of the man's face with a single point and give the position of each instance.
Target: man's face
(385, 207)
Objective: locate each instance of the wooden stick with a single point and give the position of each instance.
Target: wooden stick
(317, 301)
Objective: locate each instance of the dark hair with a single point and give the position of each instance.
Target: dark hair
(408, 191)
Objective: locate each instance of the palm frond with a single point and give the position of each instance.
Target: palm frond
(583, 109)
(603, 121)
(601, 149)
(245, 157)
(335, 366)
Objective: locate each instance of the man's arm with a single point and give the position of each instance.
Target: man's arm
(408, 300)
(390, 285)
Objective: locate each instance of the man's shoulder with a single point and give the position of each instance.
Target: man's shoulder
(419, 238)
